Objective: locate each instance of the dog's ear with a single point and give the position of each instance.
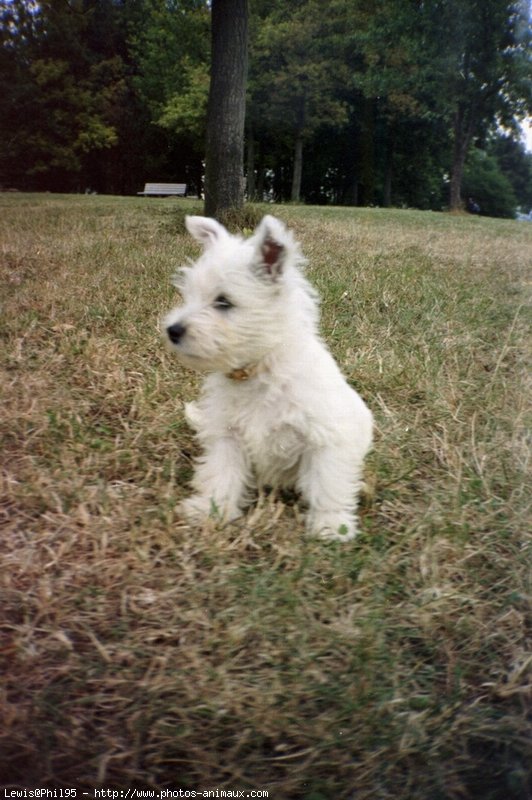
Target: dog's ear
(205, 230)
(272, 239)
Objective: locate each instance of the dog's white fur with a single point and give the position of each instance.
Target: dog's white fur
(275, 409)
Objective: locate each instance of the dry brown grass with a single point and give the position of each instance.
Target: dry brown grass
(138, 652)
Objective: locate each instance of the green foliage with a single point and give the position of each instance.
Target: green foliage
(64, 102)
(295, 77)
(516, 165)
(491, 189)
(66, 120)
(186, 111)
(389, 62)
(170, 47)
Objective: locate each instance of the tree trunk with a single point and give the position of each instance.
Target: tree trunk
(298, 169)
(367, 153)
(224, 178)
(250, 165)
(462, 132)
(260, 182)
(388, 171)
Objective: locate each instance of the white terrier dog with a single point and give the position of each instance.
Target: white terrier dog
(275, 409)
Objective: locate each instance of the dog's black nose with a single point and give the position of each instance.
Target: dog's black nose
(175, 332)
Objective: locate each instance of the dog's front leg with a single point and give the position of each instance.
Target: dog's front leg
(221, 483)
(329, 482)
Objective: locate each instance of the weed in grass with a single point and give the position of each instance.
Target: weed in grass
(139, 652)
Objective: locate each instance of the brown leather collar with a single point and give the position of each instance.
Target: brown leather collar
(243, 373)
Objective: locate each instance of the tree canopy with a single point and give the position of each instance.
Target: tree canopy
(385, 102)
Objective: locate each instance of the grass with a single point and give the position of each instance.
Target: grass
(138, 652)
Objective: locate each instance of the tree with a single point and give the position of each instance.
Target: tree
(515, 163)
(390, 90)
(224, 177)
(479, 52)
(67, 97)
(169, 44)
(485, 183)
(50, 115)
(296, 75)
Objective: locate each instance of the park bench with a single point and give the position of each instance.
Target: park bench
(164, 190)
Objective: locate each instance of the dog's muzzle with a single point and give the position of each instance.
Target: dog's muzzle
(176, 332)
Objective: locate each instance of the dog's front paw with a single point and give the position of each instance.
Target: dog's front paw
(193, 416)
(195, 509)
(198, 508)
(331, 527)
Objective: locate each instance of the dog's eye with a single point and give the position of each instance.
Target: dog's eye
(222, 302)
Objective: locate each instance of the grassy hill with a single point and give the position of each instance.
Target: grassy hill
(139, 652)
